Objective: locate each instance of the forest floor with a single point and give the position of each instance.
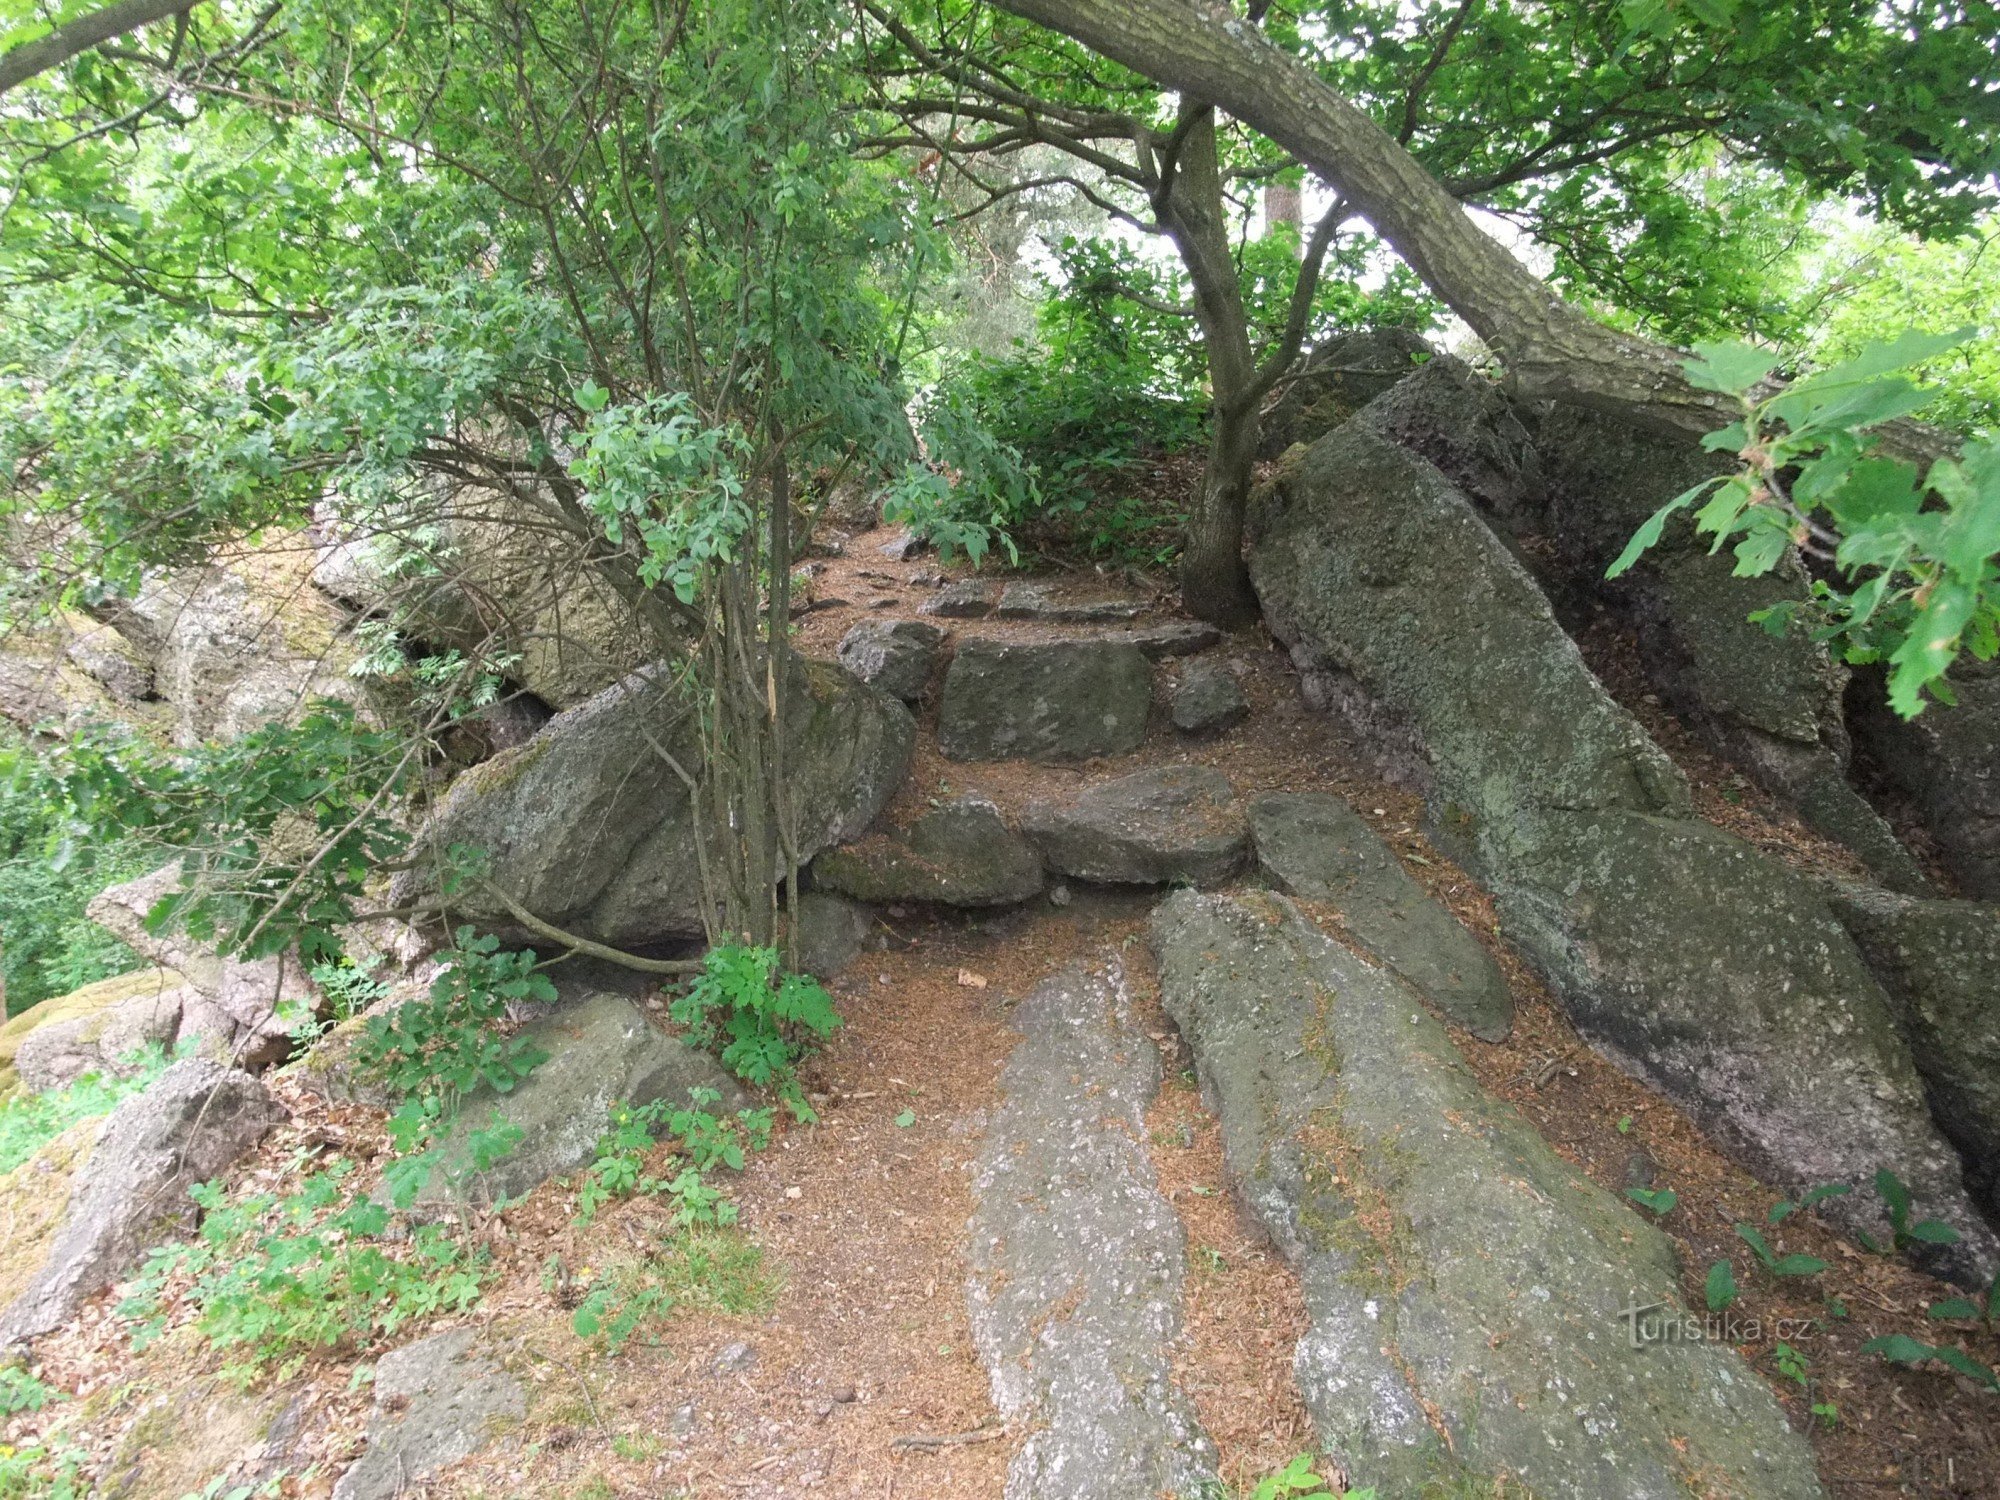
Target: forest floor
(854, 1373)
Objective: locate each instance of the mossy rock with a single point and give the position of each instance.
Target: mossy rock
(34, 1197)
(91, 1000)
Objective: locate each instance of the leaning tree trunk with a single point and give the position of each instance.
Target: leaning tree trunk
(1215, 585)
(1550, 349)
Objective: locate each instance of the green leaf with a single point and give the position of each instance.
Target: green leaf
(1966, 1365)
(1730, 367)
(906, 1119)
(1933, 1232)
(1955, 1307)
(1797, 1265)
(1931, 645)
(1720, 1287)
(1899, 1348)
(1660, 1203)
(1649, 534)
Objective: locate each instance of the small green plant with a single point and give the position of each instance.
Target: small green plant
(52, 1470)
(1905, 1233)
(704, 1142)
(1784, 1208)
(1828, 1414)
(22, 1391)
(1296, 1481)
(696, 1269)
(1791, 1364)
(1624, 1124)
(1901, 1349)
(449, 1043)
(1985, 1309)
(29, 1122)
(1774, 1263)
(275, 1278)
(756, 1014)
(1658, 1202)
(1719, 1289)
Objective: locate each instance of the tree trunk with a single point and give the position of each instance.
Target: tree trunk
(1551, 350)
(1215, 584)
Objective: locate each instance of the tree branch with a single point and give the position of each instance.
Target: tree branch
(19, 64)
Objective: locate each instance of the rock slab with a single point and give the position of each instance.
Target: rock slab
(1315, 846)
(897, 656)
(1464, 1284)
(1155, 827)
(601, 1051)
(1209, 700)
(194, 1120)
(437, 1401)
(960, 854)
(1078, 1258)
(1044, 700)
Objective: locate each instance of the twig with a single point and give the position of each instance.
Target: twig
(589, 1400)
(930, 1442)
(578, 944)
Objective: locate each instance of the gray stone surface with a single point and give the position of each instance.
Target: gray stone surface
(960, 854)
(1317, 847)
(1078, 1259)
(1338, 378)
(1940, 962)
(588, 826)
(194, 1120)
(1209, 699)
(1033, 601)
(601, 1051)
(437, 1401)
(63, 1051)
(967, 599)
(1174, 638)
(897, 656)
(1155, 827)
(1464, 1284)
(1698, 962)
(832, 930)
(1044, 700)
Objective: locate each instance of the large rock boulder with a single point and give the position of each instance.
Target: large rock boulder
(1480, 1311)
(195, 1120)
(1947, 762)
(601, 1050)
(897, 656)
(1318, 848)
(113, 1039)
(1695, 960)
(437, 1401)
(1771, 704)
(960, 854)
(1340, 377)
(81, 1021)
(1078, 1259)
(239, 643)
(589, 826)
(1044, 700)
(1940, 962)
(1155, 827)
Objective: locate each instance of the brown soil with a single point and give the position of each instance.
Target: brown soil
(864, 1344)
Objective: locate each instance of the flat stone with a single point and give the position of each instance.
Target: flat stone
(1317, 847)
(601, 1050)
(968, 599)
(1043, 700)
(1463, 1283)
(901, 547)
(961, 854)
(1078, 1259)
(437, 1402)
(832, 931)
(1155, 827)
(1209, 700)
(1175, 638)
(897, 656)
(195, 1120)
(1033, 601)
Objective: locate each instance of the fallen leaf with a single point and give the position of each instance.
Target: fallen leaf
(971, 980)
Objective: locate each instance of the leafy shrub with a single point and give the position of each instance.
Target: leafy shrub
(448, 1043)
(47, 874)
(703, 1142)
(761, 1017)
(276, 1278)
(29, 1122)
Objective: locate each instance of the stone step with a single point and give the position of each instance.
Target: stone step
(1077, 1259)
(1478, 1307)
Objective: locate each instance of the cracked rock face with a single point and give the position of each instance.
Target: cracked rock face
(1693, 959)
(897, 656)
(437, 1401)
(1078, 1259)
(961, 854)
(1475, 1301)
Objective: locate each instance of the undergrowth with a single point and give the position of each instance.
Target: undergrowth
(692, 1269)
(29, 1122)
